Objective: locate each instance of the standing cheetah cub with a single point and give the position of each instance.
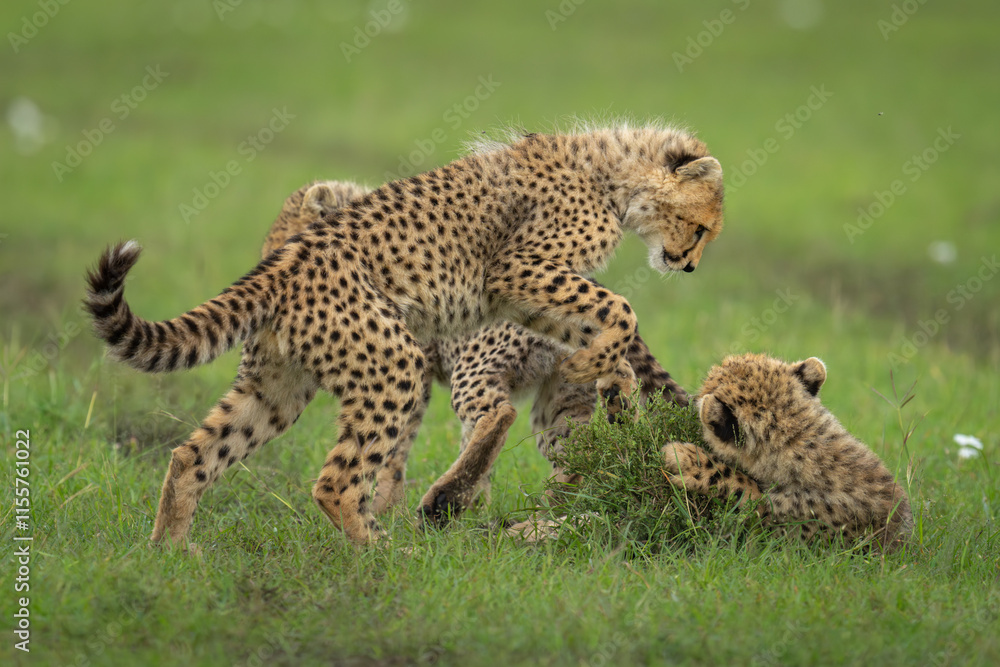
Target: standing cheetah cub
(766, 428)
(507, 233)
(485, 372)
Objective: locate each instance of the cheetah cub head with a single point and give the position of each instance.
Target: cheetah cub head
(752, 403)
(677, 212)
(310, 203)
(323, 197)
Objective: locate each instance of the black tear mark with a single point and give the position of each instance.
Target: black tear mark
(727, 429)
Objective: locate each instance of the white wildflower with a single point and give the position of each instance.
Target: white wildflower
(969, 446)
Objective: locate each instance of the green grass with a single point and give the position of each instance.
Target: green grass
(622, 491)
(275, 583)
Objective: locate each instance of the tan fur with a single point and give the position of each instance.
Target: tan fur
(503, 235)
(768, 431)
(484, 371)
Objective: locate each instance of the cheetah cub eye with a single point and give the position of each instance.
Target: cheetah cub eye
(718, 420)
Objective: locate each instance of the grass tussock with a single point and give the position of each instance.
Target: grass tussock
(624, 491)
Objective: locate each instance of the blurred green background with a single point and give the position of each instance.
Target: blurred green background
(742, 74)
(859, 141)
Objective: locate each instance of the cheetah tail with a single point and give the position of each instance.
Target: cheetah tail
(194, 338)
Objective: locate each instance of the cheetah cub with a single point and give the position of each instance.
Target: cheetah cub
(508, 233)
(766, 429)
(485, 371)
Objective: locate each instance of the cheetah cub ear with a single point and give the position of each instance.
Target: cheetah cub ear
(811, 373)
(707, 168)
(320, 199)
(719, 419)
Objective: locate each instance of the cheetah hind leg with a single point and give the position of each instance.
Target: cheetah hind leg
(390, 484)
(269, 394)
(558, 404)
(454, 491)
(344, 487)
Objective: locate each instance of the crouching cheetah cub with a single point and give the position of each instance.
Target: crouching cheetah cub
(767, 430)
(485, 371)
(507, 233)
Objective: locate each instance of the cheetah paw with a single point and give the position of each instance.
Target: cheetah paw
(186, 547)
(440, 511)
(616, 404)
(581, 367)
(616, 391)
(535, 529)
(676, 457)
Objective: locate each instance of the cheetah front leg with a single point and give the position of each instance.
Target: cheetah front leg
(558, 401)
(534, 286)
(692, 468)
(651, 375)
(648, 371)
(577, 336)
(687, 466)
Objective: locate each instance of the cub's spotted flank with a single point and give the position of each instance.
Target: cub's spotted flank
(485, 371)
(767, 430)
(508, 233)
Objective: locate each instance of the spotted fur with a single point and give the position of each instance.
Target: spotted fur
(769, 435)
(506, 234)
(485, 372)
